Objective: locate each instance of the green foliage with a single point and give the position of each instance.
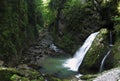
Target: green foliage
(39, 13)
(117, 30)
(116, 47)
(44, 14)
(78, 19)
(107, 9)
(67, 42)
(116, 50)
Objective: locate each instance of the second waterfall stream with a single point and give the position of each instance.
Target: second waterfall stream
(74, 63)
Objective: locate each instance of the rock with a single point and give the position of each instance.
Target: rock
(6, 73)
(1, 63)
(19, 74)
(88, 77)
(23, 66)
(35, 66)
(18, 78)
(111, 75)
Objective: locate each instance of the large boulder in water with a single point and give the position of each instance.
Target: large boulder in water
(95, 54)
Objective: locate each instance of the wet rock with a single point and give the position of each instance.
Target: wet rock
(1, 63)
(23, 66)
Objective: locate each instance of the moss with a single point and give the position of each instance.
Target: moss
(12, 74)
(88, 77)
(32, 74)
(116, 47)
(18, 78)
(66, 43)
(21, 78)
(95, 54)
(6, 73)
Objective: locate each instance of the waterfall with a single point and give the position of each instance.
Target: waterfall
(109, 51)
(111, 39)
(74, 63)
(102, 63)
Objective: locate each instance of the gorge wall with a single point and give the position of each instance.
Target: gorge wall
(17, 27)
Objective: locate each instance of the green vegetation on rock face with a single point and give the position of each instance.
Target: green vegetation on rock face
(116, 46)
(17, 28)
(93, 58)
(11, 74)
(6, 73)
(76, 22)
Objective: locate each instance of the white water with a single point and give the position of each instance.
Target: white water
(102, 63)
(111, 39)
(74, 63)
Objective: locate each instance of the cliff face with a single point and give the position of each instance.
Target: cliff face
(17, 27)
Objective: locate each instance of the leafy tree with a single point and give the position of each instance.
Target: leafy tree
(107, 10)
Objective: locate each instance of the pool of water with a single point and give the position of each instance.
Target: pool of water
(54, 66)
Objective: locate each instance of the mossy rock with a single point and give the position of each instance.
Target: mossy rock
(12, 74)
(30, 73)
(18, 78)
(6, 73)
(95, 54)
(88, 77)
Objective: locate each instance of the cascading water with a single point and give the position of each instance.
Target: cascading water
(109, 51)
(103, 60)
(111, 39)
(74, 63)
